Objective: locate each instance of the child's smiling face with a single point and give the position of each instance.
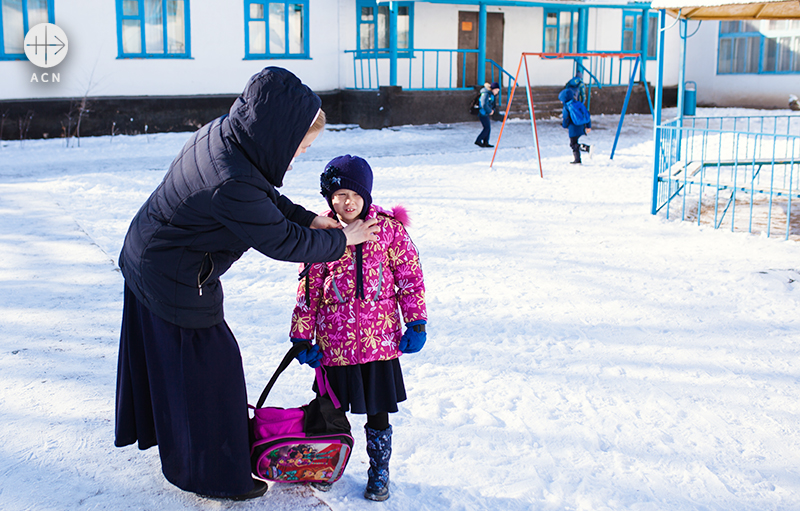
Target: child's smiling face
(347, 204)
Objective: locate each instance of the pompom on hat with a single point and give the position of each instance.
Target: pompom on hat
(351, 173)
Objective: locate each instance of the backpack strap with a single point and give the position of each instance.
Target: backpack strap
(323, 385)
(287, 359)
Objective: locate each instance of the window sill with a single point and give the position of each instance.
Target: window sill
(298, 56)
(154, 57)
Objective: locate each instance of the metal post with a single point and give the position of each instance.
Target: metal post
(662, 23)
(393, 43)
(482, 44)
(625, 106)
(644, 41)
(682, 27)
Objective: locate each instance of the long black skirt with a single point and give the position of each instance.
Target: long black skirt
(183, 389)
(369, 388)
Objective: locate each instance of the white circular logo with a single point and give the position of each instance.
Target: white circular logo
(46, 45)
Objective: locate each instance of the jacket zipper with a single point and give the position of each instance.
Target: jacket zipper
(200, 273)
(336, 289)
(380, 282)
(359, 348)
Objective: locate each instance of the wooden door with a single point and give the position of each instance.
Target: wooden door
(468, 32)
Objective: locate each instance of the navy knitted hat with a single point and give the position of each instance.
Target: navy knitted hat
(350, 172)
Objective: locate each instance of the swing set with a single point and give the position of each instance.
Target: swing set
(601, 71)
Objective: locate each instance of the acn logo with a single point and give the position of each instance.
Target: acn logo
(46, 45)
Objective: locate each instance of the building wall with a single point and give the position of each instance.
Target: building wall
(729, 90)
(217, 65)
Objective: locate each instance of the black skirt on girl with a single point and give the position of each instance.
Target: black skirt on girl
(369, 388)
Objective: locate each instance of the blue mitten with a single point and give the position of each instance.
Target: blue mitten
(311, 356)
(414, 338)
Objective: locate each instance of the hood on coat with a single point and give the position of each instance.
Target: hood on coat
(566, 95)
(270, 118)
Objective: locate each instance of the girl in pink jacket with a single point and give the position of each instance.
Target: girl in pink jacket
(353, 307)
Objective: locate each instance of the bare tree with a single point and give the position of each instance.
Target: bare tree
(24, 124)
(2, 125)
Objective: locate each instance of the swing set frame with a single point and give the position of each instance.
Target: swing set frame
(578, 58)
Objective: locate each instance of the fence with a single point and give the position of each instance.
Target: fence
(424, 69)
(417, 69)
(738, 171)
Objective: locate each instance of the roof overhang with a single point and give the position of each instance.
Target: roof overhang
(730, 9)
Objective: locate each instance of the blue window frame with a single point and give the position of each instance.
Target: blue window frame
(764, 46)
(561, 29)
(16, 18)
(156, 29)
(276, 30)
(374, 30)
(632, 32)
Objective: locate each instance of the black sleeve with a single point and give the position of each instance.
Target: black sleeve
(253, 217)
(295, 212)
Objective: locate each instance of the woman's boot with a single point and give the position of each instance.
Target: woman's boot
(379, 449)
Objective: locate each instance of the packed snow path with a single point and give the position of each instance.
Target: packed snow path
(582, 353)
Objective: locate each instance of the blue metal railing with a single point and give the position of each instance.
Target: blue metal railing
(426, 69)
(422, 69)
(499, 78)
(720, 164)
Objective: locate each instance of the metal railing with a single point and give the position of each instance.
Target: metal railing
(418, 69)
(422, 69)
(604, 71)
(740, 171)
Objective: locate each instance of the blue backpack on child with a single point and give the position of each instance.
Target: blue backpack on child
(578, 112)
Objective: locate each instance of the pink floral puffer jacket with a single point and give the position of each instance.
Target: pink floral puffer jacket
(353, 330)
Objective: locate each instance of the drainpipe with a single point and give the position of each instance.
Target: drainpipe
(482, 45)
(682, 71)
(644, 40)
(393, 43)
(662, 23)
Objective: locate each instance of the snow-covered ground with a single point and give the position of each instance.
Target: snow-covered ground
(582, 353)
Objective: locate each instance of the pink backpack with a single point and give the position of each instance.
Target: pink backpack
(311, 443)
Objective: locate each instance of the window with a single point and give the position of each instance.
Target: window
(632, 32)
(276, 29)
(763, 46)
(561, 31)
(16, 18)
(153, 29)
(374, 30)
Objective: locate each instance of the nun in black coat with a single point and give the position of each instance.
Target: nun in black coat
(180, 381)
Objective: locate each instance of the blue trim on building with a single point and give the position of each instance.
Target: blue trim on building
(558, 9)
(51, 18)
(640, 40)
(377, 52)
(762, 51)
(140, 17)
(287, 54)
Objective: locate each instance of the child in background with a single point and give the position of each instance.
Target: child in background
(583, 126)
(488, 97)
(353, 307)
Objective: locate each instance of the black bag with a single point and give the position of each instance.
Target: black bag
(475, 106)
(311, 443)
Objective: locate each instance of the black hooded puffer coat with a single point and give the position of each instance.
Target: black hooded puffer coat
(219, 199)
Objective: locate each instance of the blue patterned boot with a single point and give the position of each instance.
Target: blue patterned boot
(379, 449)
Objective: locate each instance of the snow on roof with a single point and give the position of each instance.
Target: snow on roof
(730, 9)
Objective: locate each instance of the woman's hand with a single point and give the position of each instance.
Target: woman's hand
(325, 222)
(361, 230)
